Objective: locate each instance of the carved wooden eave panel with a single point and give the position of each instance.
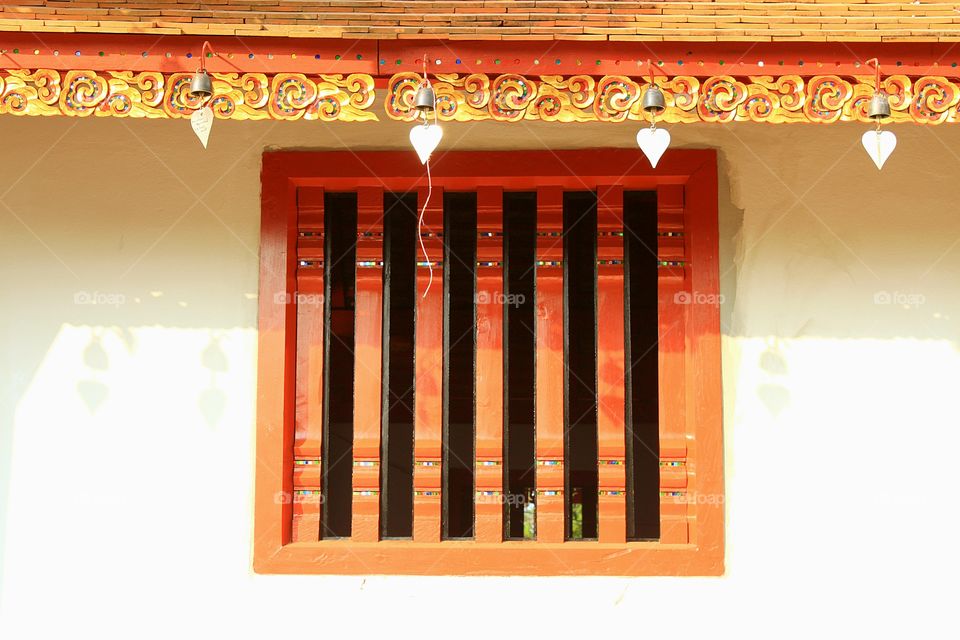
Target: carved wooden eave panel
(152, 94)
(509, 97)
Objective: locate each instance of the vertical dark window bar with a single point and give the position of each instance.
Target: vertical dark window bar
(399, 312)
(580, 349)
(519, 439)
(459, 432)
(340, 223)
(641, 329)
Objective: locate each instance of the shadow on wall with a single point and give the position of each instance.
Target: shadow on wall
(774, 396)
(730, 224)
(92, 390)
(94, 387)
(213, 399)
(95, 271)
(829, 249)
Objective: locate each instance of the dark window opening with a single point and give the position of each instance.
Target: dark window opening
(340, 224)
(459, 431)
(642, 367)
(519, 440)
(399, 313)
(580, 372)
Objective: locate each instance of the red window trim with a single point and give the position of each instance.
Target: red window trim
(692, 539)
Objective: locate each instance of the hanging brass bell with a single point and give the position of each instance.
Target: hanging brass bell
(425, 100)
(201, 86)
(879, 106)
(653, 100)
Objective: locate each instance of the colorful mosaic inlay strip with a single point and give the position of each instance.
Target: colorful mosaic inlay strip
(477, 96)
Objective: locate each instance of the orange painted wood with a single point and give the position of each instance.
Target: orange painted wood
(312, 55)
(611, 366)
(428, 381)
(688, 183)
(549, 365)
(471, 558)
(704, 393)
(674, 57)
(306, 514)
(309, 407)
(488, 525)
(309, 384)
(466, 171)
(674, 297)
(270, 55)
(368, 361)
(276, 376)
(306, 475)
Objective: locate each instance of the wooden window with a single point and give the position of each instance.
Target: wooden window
(540, 395)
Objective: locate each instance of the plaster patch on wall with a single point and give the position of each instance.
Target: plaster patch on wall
(731, 239)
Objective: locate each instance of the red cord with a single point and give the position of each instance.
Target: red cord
(655, 69)
(876, 65)
(203, 50)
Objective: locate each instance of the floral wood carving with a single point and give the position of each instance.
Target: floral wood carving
(151, 94)
(511, 97)
(506, 98)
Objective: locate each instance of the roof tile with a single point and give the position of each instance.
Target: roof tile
(624, 20)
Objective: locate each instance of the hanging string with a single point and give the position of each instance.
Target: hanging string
(875, 63)
(204, 48)
(420, 230)
(426, 201)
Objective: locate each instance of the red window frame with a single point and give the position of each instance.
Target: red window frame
(691, 484)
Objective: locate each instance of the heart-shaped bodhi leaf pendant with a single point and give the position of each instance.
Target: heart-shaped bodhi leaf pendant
(879, 146)
(201, 121)
(653, 142)
(425, 139)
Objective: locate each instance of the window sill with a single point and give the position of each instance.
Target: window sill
(469, 558)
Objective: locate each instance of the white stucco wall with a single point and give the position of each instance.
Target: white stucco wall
(127, 426)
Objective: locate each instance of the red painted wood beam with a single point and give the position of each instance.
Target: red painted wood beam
(116, 52)
(131, 52)
(678, 58)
